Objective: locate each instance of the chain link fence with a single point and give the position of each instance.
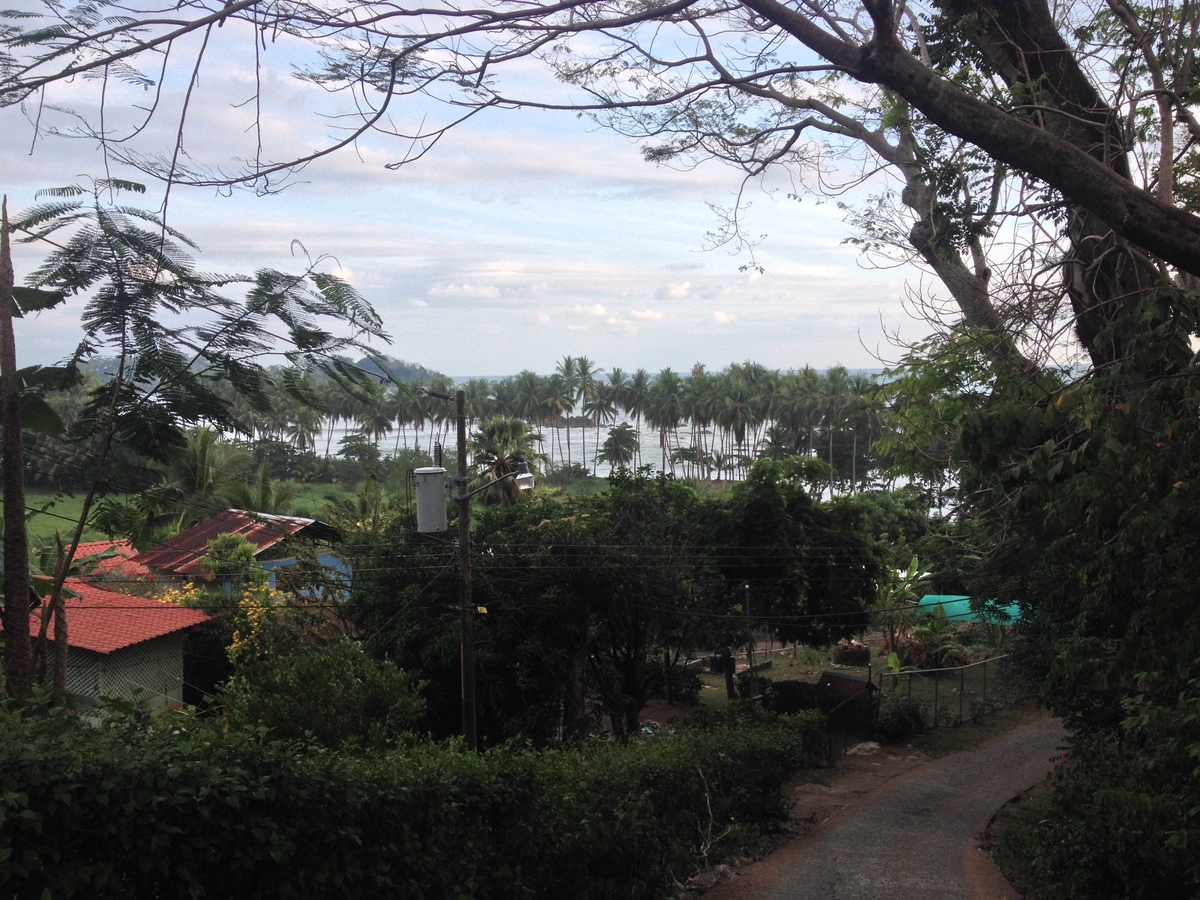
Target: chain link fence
(935, 698)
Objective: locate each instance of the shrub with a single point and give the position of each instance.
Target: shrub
(1120, 818)
(122, 808)
(852, 653)
(791, 696)
(336, 696)
(900, 720)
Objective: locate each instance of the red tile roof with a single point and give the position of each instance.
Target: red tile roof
(120, 564)
(104, 621)
(185, 553)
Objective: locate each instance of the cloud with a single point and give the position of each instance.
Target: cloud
(594, 312)
(645, 315)
(722, 318)
(469, 291)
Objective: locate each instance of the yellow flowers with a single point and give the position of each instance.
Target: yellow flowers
(181, 595)
(256, 622)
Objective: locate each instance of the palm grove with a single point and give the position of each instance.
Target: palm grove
(1038, 161)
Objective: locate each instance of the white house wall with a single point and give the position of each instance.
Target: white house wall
(155, 667)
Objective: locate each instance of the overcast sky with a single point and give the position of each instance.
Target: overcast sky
(521, 238)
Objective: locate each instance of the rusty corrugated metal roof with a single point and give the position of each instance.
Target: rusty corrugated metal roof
(185, 553)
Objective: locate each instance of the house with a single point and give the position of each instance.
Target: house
(183, 556)
(123, 646)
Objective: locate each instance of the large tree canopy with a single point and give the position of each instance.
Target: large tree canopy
(1069, 127)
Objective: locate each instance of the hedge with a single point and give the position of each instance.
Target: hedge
(123, 809)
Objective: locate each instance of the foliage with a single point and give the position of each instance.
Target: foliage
(900, 719)
(124, 807)
(335, 696)
(593, 604)
(181, 347)
(231, 560)
(1069, 484)
(269, 623)
(1120, 817)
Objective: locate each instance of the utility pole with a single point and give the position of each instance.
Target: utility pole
(750, 679)
(429, 520)
(465, 598)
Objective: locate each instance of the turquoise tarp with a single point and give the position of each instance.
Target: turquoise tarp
(958, 609)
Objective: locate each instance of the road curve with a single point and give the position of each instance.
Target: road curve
(919, 837)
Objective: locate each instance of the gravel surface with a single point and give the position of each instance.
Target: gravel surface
(917, 837)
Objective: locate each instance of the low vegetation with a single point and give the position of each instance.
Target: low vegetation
(177, 807)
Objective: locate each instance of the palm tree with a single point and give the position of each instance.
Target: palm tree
(837, 389)
(618, 383)
(496, 447)
(558, 400)
(665, 410)
(339, 406)
(602, 408)
(442, 413)
(702, 397)
(397, 397)
(372, 413)
(304, 427)
(634, 404)
(569, 373)
(260, 493)
(504, 397)
(194, 482)
(585, 386)
(863, 414)
(480, 405)
(414, 409)
(737, 414)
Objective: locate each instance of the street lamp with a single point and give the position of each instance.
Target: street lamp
(524, 479)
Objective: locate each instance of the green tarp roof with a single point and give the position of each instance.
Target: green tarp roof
(958, 609)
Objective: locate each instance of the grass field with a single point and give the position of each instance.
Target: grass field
(50, 512)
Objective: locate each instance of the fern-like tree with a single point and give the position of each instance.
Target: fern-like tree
(176, 336)
(620, 447)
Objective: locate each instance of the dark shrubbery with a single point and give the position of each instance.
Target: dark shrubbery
(122, 808)
(1120, 818)
(851, 653)
(899, 720)
(335, 696)
(791, 696)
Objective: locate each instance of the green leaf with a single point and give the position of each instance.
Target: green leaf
(27, 299)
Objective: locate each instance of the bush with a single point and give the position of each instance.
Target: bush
(791, 696)
(337, 696)
(1119, 820)
(122, 808)
(852, 653)
(899, 720)
(686, 685)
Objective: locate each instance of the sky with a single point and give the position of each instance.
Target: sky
(521, 238)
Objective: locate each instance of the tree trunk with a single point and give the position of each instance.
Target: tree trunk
(729, 666)
(17, 658)
(575, 701)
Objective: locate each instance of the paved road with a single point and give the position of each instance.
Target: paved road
(916, 839)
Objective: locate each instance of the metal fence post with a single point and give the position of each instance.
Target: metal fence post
(985, 706)
(935, 701)
(962, 689)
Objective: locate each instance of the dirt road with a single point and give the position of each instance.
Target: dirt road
(916, 836)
